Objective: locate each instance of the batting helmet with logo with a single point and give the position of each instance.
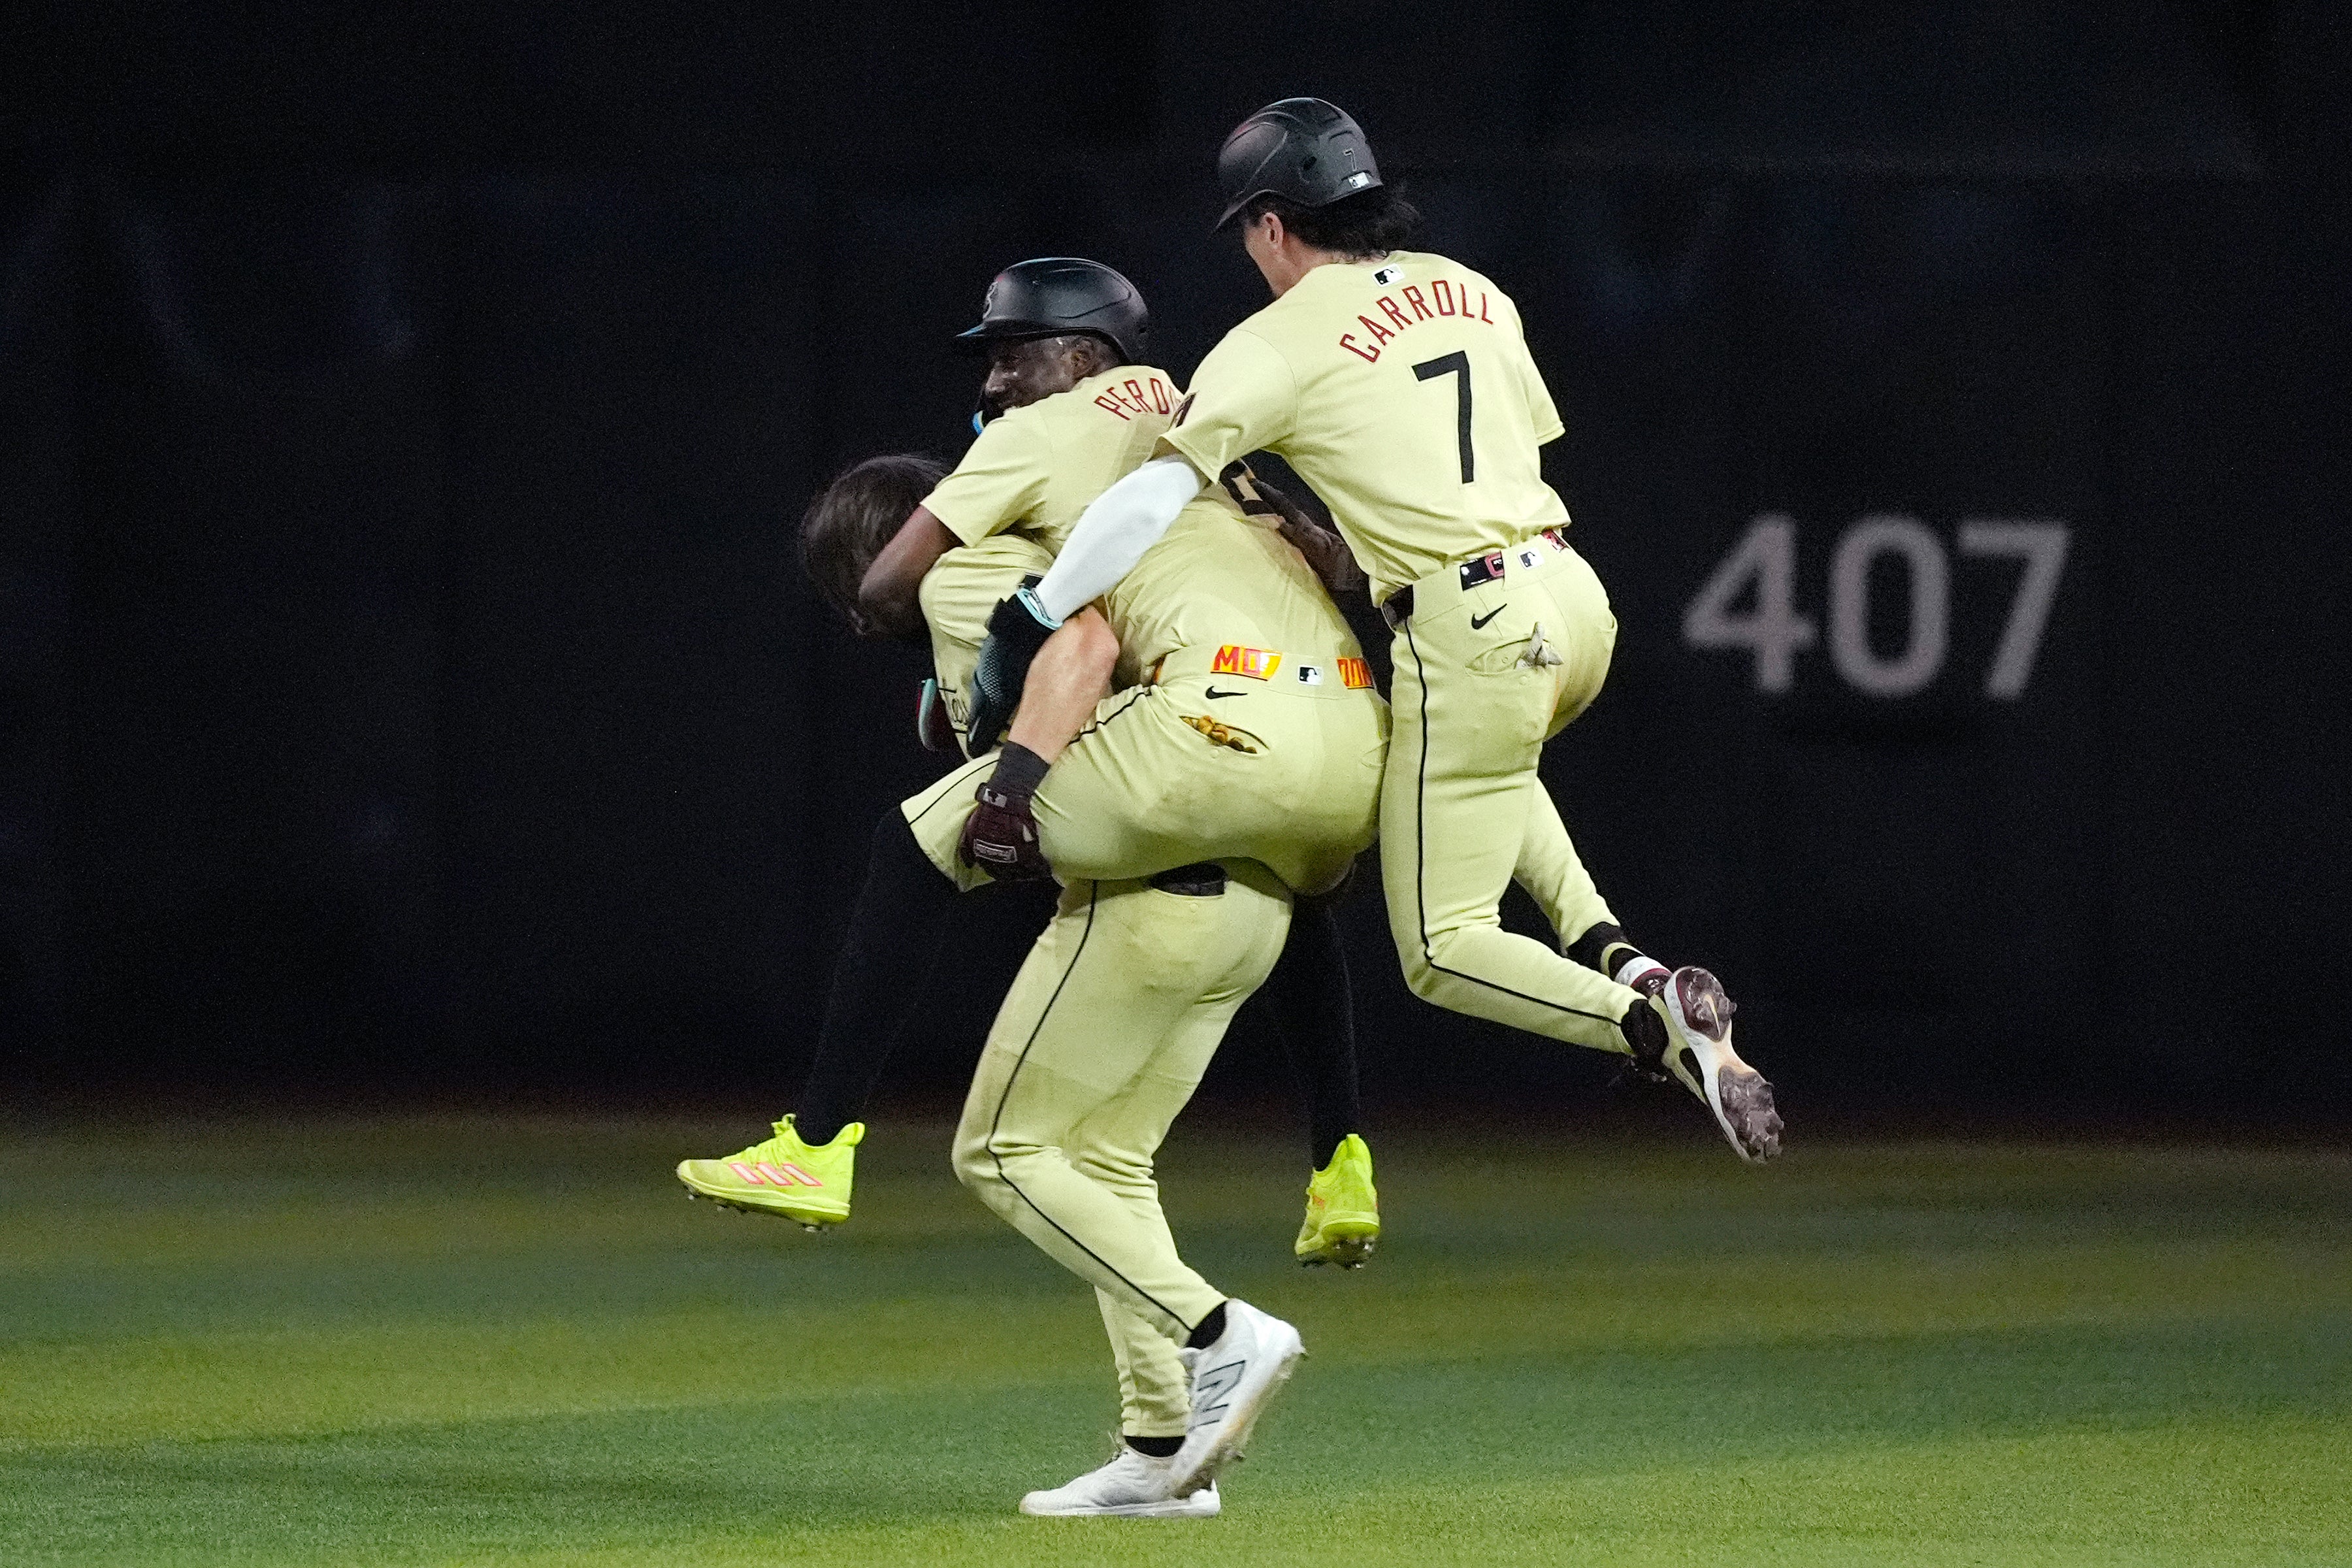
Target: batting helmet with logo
(1302, 150)
(1057, 294)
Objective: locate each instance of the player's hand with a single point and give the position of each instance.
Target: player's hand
(1017, 628)
(1327, 553)
(1000, 836)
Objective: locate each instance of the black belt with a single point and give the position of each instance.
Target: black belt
(1397, 609)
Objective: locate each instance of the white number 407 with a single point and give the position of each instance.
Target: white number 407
(1764, 562)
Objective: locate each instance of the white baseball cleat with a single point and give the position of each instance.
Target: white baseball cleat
(1132, 1486)
(1232, 1379)
(1699, 1053)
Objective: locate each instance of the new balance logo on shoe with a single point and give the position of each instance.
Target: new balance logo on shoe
(1212, 1388)
(785, 1175)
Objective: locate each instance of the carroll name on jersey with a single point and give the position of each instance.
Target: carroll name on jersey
(1444, 297)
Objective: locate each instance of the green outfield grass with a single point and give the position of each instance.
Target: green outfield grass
(444, 1340)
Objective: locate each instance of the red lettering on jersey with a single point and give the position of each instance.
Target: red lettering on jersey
(1444, 292)
(1105, 400)
(1370, 356)
(1482, 306)
(1380, 335)
(1257, 663)
(1412, 297)
(1135, 390)
(1389, 308)
(1160, 403)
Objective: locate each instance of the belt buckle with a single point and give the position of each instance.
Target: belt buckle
(1485, 569)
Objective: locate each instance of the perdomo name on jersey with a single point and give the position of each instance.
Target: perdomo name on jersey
(1152, 397)
(1443, 299)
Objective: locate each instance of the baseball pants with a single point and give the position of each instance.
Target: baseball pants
(1099, 1046)
(1485, 672)
(1271, 770)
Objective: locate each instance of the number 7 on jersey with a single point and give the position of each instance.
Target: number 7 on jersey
(1456, 363)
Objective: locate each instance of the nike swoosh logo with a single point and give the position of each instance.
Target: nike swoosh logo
(1213, 692)
(1478, 622)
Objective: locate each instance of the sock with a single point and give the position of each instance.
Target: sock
(1604, 948)
(1646, 1033)
(1155, 1447)
(1310, 994)
(1638, 970)
(1591, 949)
(1211, 1327)
(877, 981)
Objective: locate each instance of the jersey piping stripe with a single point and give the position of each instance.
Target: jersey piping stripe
(966, 771)
(1421, 859)
(1094, 894)
(943, 792)
(1140, 693)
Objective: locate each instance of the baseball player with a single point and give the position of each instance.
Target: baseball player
(1399, 385)
(1127, 994)
(1046, 325)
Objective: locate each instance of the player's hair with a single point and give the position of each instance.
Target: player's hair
(854, 517)
(1366, 224)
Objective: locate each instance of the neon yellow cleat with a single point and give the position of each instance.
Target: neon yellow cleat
(782, 1176)
(1343, 1212)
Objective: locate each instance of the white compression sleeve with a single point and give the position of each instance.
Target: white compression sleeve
(1114, 532)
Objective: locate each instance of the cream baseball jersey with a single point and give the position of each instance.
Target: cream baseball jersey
(958, 594)
(1402, 390)
(1219, 579)
(1035, 469)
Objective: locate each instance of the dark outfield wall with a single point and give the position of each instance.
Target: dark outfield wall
(404, 680)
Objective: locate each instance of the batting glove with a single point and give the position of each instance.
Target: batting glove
(1017, 628)
(1000, 836)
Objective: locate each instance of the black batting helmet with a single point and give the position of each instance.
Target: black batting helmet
(1302, 150)
(1057, 294)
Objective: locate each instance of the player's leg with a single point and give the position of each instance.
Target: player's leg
(1097, 809)
(1468, 725)
(805, 1171)
(1310, 994)
(1553, 875)
(1686, 1031)
(1102, 993)
(1100, 1045)
(1141, 790)
(1116, 1146)
(1139, 1481)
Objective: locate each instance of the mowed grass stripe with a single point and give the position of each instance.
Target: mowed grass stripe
(1609, 1354)
(802, 1483)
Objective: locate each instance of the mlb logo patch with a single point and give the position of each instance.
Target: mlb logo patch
(1526, 559)
(1311, 675)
